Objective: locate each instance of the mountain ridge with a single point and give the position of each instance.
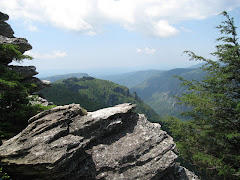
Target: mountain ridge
(63, 76)
(94, 94)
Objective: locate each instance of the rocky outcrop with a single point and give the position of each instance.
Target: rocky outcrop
(27, 72)
(135, 95)
(122, 91)
(39, 100)
(6, 35)
(40, 84)
(111, 143)
(6, 29)
(3, 17)
(22, 43)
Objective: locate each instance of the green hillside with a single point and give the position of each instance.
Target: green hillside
(158, 91)
(64, 76)
(93, 94)
(131, 79)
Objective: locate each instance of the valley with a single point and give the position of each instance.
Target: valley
(156, 88)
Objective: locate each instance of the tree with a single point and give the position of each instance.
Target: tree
(15, 106)
(211, 138)
(9, 52)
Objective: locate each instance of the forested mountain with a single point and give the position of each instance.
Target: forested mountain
(64, 76)
(93, 94)
(131, 79)
(158, 90)
(155, 87)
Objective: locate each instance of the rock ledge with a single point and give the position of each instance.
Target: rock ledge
(111, 143)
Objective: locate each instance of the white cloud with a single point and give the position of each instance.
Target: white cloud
(146, 50)
(150, 17)
(53, 55)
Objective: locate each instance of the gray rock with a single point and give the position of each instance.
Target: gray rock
(190, 175)
(39, 100)
(121, 91)
(3, 17)
(112, 143)
(6, 30)
(40, 84)
(25, 71)
(21, 42)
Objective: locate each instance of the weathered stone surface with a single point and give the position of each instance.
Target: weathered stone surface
(3, 17)
(40, 84)
(190, 175)
(112, 143)
(25, 71)
(6, 30)
(21, 42)
(39, 100)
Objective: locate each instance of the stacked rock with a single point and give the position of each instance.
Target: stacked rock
(27, 72)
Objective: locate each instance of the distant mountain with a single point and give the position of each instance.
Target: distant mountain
(64, 76)
(131, 79)
(196, 65)
(93, 94)
(158, 90)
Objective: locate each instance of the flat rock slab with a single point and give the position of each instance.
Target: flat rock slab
(112, 143)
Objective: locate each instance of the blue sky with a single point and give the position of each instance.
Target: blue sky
(114, 36)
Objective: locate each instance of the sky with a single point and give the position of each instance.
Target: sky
(101, 37)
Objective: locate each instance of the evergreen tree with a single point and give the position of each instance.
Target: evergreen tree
(211, 138)
(15, 106)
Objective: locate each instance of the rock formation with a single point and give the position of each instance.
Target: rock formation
(27, 72)
(40, 100)
(111, 143)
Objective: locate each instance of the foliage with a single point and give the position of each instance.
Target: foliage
(15, 106)
(64, 76)
(132, 79)
(211, 139)
(10, 51)
(159, 90)
(3, 175)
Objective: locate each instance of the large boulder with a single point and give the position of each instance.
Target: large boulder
(112, 143)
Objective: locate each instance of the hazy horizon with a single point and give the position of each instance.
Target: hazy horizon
(103, 72)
